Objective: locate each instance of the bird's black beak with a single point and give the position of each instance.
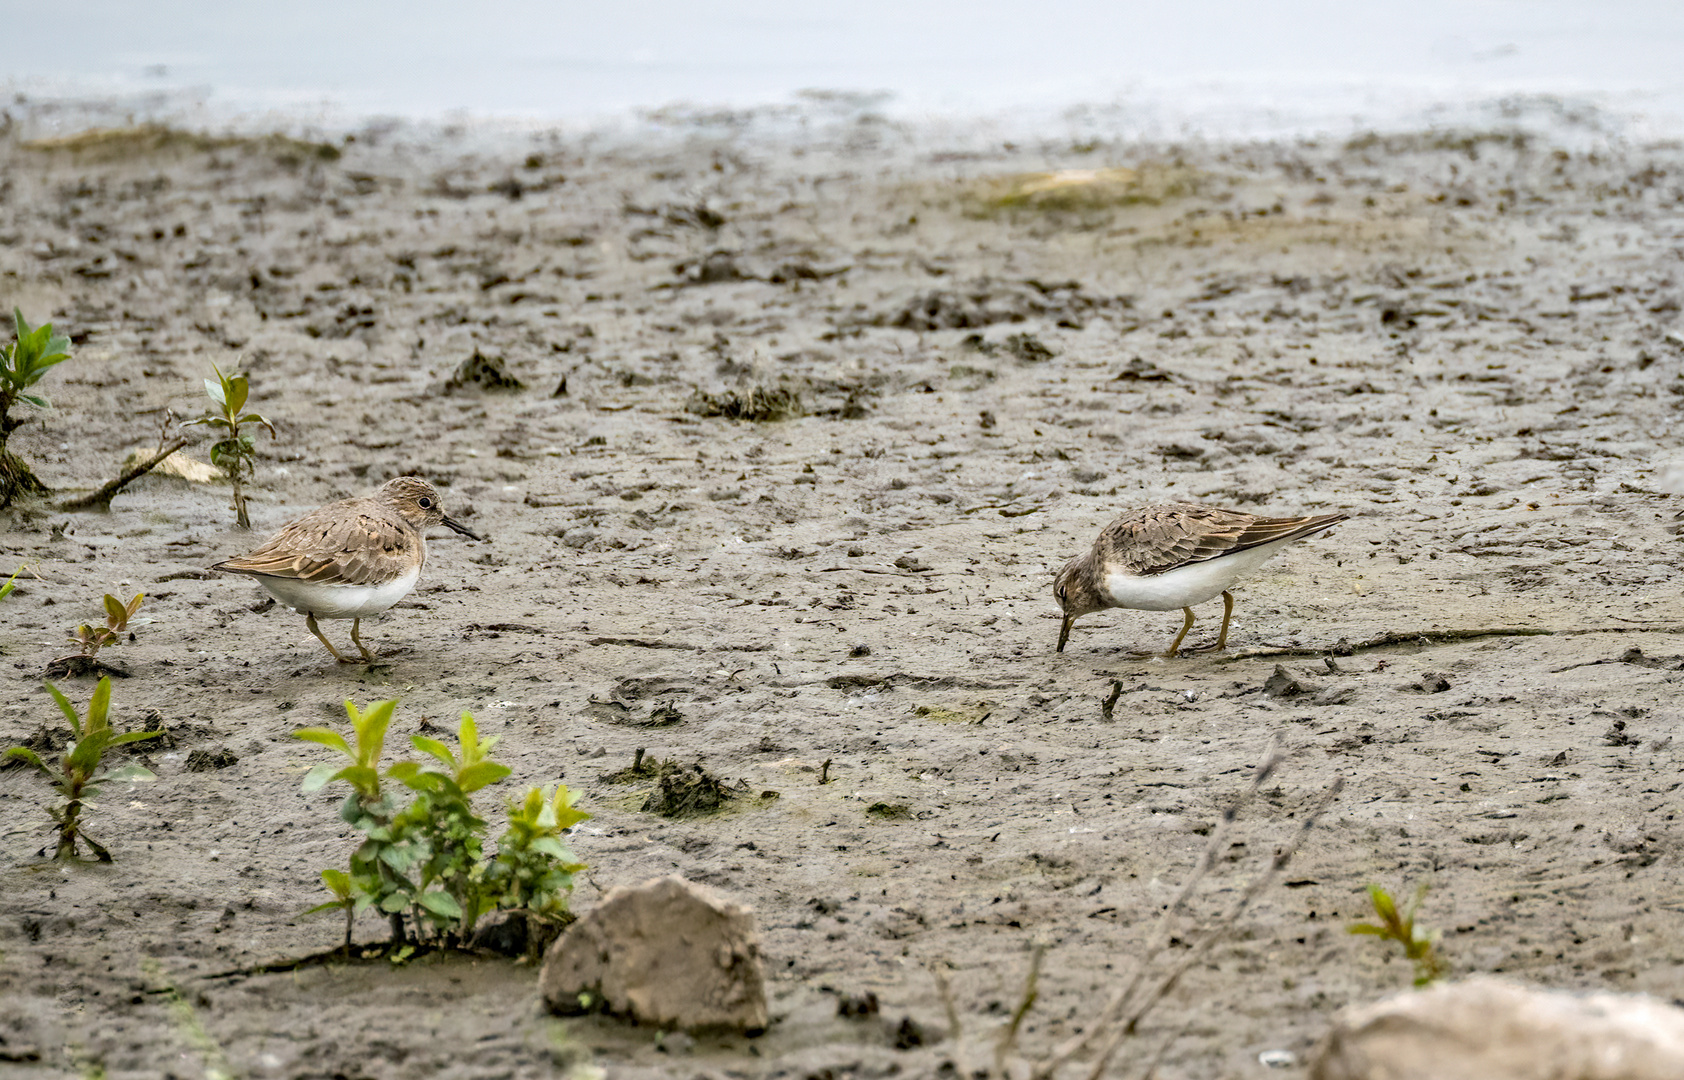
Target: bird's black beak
(1064, 632)
(461, 528)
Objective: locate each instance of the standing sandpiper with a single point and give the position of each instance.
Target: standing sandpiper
(1174, 555)
(351, 558)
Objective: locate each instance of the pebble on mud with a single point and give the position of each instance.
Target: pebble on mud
(1488, 1029)
(668, 952)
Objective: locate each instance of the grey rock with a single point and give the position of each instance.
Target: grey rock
(668, 952)
(1488, 1029)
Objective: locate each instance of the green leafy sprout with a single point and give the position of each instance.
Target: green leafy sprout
(94, 638)
(427, 858)
(236, 453)
(78, 775)
(22, 363)
(1419, 943)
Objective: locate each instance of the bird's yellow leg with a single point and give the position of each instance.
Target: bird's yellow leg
(1179, 638)
(310, 621)
(367, 656)
(1227, 613)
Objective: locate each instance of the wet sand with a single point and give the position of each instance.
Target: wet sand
(1467, 342)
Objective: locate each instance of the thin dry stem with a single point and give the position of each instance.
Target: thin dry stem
(1031, 990)
(101, 499)
(955, 1030)
(1160, 936)
(1118, 1031)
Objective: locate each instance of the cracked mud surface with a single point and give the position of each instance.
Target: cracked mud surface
(1470, 345)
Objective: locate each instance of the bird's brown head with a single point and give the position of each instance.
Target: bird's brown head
(1077, 593)
(418, 503)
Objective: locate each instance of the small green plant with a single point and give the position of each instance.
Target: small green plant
(92, 639)
(11, 583)
(22, 364)
(235, 454)
(427, 858)
(78, 775)
(1420, 944)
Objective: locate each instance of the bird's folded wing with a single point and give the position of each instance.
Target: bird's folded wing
(336, 549)
(1160, 539)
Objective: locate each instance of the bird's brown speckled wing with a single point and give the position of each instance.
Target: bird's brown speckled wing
(1155, 539)
(357, 542)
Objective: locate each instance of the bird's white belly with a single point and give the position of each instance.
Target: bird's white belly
(338, 601)
(1187, 585)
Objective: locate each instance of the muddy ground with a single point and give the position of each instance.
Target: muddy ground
(1469, 342)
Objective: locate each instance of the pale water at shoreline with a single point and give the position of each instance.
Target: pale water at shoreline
(1212, 69)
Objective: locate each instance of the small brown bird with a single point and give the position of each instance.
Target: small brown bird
(351, 558)
(1174, 555)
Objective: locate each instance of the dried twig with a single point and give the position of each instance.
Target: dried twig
(1222, 928)
(1160, 935)
(101, 499)
(1007, 1041)
(955, 1030)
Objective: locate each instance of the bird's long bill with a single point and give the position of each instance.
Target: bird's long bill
(1064, 631)
(461, 528)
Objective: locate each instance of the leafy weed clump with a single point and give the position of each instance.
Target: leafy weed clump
(427, 858)
(1420, 944)
(92, 639)
(22, 364)
(78, 774)
(235, 454)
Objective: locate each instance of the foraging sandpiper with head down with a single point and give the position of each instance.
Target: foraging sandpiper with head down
(1174, 555)
(351, 558)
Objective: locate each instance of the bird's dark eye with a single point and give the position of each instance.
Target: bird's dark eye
(1061, 594)
(424, 502)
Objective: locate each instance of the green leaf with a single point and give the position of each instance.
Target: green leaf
(99, 705)
(318, 777)
(35, 400)
(326, 737)
(549, 845)
(403, 771)
(214, 389)
(441, 903)
(338, 882)
(394, 903)
(371, 730)
(84, 756)
(67, 709)
(331, 905)
(481, 773)
(25, 754)
(134, 736)
(360, 777)
(115, 616)
(1366, 928)
(128, 773)
(435, 748)
(239, 387)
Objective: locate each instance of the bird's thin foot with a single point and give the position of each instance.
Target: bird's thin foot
(368, 657)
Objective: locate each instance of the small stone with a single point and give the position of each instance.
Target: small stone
(1488, 1029)
(669, 953)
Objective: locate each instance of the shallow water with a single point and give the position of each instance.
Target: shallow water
(1215, 68)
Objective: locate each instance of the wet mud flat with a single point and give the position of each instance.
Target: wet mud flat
(778, 444)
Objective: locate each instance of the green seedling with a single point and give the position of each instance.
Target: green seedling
(11, 583)
(22, 364)
(427, 858)
(78, 775)
(235, 454)
(1420, 944)
(92, 639)
(344, 899)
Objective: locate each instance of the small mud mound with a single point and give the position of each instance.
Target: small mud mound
(483, 372)
(759, 404)
(984, 302)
